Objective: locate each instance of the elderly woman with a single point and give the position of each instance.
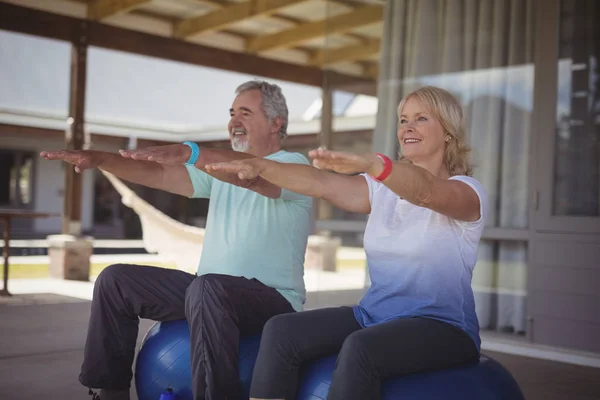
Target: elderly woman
(426, 216)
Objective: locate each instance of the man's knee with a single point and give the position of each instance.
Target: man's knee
(110, 275)
(204, 289)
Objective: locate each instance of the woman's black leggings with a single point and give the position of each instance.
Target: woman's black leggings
(367, 356)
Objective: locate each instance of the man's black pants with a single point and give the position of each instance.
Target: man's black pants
(219, 309)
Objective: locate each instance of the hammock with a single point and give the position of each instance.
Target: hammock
(172, 240)
(181, 244)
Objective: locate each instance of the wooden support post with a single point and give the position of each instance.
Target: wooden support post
(326, 137)
(74, 138)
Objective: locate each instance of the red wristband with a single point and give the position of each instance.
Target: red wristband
(387, 168)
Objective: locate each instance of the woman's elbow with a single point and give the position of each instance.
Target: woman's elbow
(424, 194)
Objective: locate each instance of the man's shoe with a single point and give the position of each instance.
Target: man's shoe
(95, 396)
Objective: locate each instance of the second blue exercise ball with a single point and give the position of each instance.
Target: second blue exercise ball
(485, 380)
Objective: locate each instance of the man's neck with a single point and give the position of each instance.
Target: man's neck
(265, 151)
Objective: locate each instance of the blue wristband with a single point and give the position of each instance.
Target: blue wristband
(195, 153)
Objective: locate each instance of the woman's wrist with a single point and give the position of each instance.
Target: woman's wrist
(381, 167)
(376, 165)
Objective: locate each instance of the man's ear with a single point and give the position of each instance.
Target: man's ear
(276, 125)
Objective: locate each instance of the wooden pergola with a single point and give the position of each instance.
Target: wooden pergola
(332, 44)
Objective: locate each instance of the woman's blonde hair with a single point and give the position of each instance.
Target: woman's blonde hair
(449, 112)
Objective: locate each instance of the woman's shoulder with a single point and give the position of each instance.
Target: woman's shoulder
(481, 192)
(464, 178)
(473, 182)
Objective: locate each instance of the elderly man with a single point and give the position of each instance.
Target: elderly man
(252, 259)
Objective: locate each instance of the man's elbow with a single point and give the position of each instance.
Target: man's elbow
(263, 187)
(271, 191)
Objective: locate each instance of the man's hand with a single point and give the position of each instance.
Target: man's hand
(81, 159)
(172, 154)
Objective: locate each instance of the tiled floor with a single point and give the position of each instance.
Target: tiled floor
(548, 380)
(41, 348)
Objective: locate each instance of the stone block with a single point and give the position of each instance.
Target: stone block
(321, 252)
(70, 257)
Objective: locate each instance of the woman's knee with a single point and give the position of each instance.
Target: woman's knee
(278, 329)
(355, 349)
(282, 337)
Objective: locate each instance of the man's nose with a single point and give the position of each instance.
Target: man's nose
(237, 125)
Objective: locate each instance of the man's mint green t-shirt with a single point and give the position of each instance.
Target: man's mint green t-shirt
(250, 235)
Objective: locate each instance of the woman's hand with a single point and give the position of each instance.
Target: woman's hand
(346, 163)
(249, 168)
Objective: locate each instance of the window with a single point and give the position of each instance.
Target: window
(16, 178)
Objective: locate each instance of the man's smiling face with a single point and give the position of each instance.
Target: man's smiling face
(249, 128)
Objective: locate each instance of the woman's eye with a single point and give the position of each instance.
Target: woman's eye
(402, 121)
(422, 119)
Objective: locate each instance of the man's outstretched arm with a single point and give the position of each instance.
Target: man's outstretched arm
(179, 154)
(170, 178)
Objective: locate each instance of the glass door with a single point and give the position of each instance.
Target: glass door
(567, 99)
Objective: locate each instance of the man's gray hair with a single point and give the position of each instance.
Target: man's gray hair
(273, 102)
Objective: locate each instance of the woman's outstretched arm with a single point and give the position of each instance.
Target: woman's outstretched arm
(452, 198)
(349, 193)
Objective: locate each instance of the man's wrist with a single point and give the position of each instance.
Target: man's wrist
(194, 152)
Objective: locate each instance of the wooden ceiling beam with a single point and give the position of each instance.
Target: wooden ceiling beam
(35, 132)
(229, 15)
(344, 54)
(101, 9)
(339, 24)
(289, 20)
(371, 70)
(50, 25)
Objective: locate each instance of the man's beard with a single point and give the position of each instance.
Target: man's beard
(240, 144)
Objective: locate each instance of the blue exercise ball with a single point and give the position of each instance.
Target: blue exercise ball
(485, 380)
(163, 362)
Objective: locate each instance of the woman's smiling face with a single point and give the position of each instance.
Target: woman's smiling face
(420, 133)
